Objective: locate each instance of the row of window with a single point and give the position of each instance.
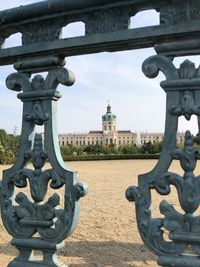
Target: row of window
(97, 142)
(126, 142)
(127, 137)
(80, 137)
(97, 138)
(179, 140)
(81, 143)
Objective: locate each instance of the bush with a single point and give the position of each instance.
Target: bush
(129, 149)
(151, 148)
(110, 157)
(99, 152)
(9, 145)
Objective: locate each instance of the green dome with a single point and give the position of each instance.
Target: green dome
(109, 116)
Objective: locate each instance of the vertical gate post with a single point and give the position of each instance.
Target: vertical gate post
(41, 219)
(182, 247)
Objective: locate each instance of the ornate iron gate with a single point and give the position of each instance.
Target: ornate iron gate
(38, 225)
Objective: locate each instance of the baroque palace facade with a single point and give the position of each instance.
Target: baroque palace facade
(110, 135)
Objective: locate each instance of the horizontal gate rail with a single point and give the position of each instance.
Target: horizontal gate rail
(107, 28)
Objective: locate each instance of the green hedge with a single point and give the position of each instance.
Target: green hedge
(110, 157)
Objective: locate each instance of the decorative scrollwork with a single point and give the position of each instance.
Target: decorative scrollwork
(38, 179)
(50, 221)
(39, 89)
(173, 221)
(178, 225)
(188, 156)
(36, 217)
(154, 64)
(38, 115)
(187, 186)
(21, 81)
(18, 82)
(48, 31)
(179, 12)
(187, 106)
(107, 21)
(59, 75)
(187, 70)
(151, 230)
(37, 155)
(182, 88)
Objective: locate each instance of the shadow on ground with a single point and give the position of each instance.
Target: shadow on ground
(111, 253)
(98, 254)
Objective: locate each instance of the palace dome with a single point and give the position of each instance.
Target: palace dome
(109, 116)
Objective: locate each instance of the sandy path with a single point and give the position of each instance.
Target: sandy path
(107, 232)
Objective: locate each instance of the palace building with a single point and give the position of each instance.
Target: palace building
(111, 135)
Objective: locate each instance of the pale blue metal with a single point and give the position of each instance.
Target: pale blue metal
(36, 224)
(26, 215)
(182, 87)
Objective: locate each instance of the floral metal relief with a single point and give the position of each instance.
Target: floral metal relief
(107, 21)
(176, 11)
(39, 212)
(182, 87)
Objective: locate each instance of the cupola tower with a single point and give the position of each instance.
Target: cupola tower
(109, 126)
(109, 121)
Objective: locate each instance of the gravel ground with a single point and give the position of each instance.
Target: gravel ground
(107, 234)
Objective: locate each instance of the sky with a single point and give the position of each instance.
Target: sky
(138, 102)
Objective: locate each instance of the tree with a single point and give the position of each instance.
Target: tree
(151, 148)
(9, 145)
(93, 149)
(128, 149)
